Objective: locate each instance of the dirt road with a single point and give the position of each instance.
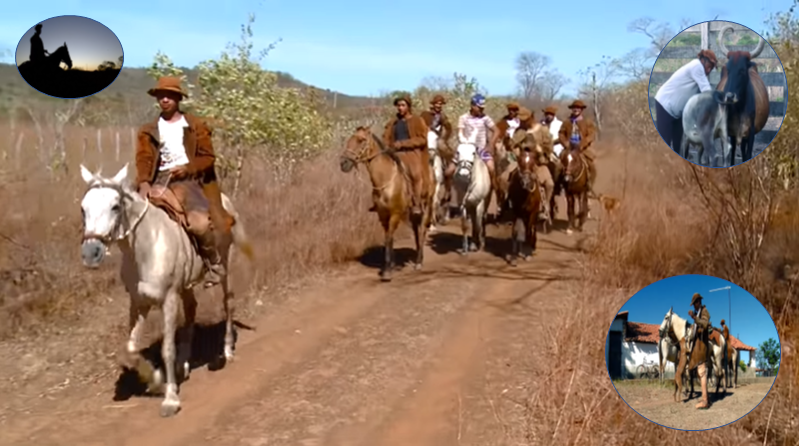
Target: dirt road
(657, 404)
(442, 356)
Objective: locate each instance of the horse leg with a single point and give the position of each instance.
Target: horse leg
(171, 403)
(583, 210)
(419, 234)
(473, 216)
(390, 226)
(480, 217)
(570, 211)
(186, 333)
(530, 234)
(464, 231)
(514, 242)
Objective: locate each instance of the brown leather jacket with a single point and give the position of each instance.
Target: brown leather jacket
(587, 133)
(417, 130)
(200, 151)
(446, 125)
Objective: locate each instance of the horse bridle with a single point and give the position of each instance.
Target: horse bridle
(122, 221)
(362, 156)
(582, 167)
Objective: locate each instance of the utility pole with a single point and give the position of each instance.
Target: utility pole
(729, 302)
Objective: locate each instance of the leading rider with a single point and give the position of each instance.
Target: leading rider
(175, 169)
(406, 135)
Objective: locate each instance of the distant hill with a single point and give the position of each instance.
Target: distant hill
(132, 84)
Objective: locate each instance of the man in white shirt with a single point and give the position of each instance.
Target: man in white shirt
(553, 124)
(670, 100)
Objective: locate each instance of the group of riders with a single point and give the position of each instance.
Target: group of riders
(175, 157)
(406, 133)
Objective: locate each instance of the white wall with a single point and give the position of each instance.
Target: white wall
(635, 353)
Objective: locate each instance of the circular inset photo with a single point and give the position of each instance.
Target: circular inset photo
(718, 94)
(69, 57)
(693, 352)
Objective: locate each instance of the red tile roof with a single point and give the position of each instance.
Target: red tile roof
(648, 333)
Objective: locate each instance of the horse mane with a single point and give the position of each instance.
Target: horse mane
(678, 325)
(390, 153)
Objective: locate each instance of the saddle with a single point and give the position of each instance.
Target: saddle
(165, 199)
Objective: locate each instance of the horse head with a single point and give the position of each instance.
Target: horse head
(665, 326)
(465, 156)
(361, 147)
(573, 164)
(62, 55)
(105, 209)
(526, 165)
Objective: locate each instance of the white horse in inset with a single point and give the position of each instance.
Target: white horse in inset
(159, 267)
(472, 185)
(440, 212)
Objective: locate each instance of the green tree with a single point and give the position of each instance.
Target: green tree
(768, 355)
(250, 114)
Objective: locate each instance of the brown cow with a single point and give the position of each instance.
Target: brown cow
(748, 115)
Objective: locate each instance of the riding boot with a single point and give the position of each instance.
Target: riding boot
(704, 404)
(206, 244)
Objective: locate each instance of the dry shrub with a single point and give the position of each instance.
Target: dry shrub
(316, 219)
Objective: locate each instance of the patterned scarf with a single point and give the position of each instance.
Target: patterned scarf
(575, 136)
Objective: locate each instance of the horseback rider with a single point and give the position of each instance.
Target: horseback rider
(506, 127)
(175, 167)
(552, 122)
(474, 126)
(577, 134)
(406, 134)
(38, 53)
(702, 332)
(539, 137)
(438, 122)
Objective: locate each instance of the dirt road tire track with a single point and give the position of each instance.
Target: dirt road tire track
(358, 362)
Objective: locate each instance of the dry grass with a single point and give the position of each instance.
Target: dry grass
(667, 226)
(316, 220)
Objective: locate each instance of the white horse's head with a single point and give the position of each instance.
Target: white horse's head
(666, 324)
(464, 157)
(105, 213)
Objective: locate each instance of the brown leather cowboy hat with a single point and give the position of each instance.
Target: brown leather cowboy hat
(168, 83)
(578, 104)
(697, 297)
(709, 55)
(551, 110)
(512, 106)
(438, 98)
(525, 114)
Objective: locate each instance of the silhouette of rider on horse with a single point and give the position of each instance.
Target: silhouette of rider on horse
(38, 53)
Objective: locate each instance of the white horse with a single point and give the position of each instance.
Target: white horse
(440, 214)
(159, 266)
(472, 185)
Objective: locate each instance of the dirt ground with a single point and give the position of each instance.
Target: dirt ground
(657, 404)
(441, 356)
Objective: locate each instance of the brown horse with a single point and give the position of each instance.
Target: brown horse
(575, 184)
(390, 192)
(524, 195)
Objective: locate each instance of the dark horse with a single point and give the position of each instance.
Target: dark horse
(524, 195)
(48, 65)
(390, 192)
(575, 184)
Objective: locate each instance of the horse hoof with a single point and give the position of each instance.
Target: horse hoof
(513, 262)
(385, 277)
(527, 258)
(569, 231)
(417, 266)
(229, 356)
(432, 229)
(473, 248)
(170, 408)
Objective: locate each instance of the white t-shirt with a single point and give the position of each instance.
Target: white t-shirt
(686, 82)
(474, 129)
(173, 152)
(513, 124)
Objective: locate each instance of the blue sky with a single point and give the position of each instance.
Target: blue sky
(360, 47)
(89, 42)
(751, 323)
